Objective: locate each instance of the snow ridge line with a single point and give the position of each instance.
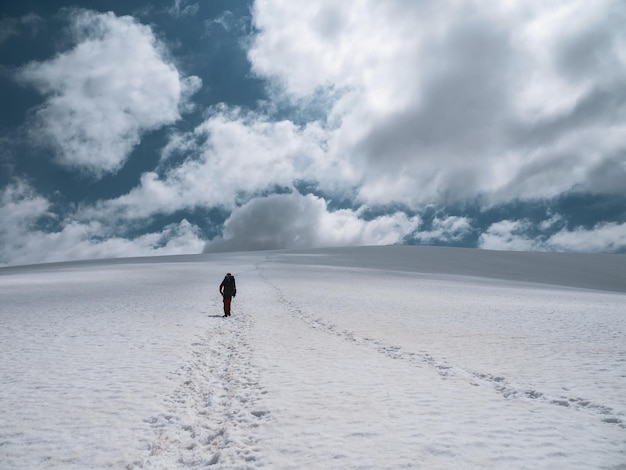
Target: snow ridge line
(500, 384)
(211, 415)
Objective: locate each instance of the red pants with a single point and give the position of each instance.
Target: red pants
(227, 304)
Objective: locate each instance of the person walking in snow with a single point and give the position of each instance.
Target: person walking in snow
(228, 289)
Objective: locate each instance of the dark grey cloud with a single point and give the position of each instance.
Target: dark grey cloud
(279, 221)
(463, 107)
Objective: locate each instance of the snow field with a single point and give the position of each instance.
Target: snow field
(427, 401)
(128, 364)
(88, 356)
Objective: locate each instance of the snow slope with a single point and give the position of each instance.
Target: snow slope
(377, 357)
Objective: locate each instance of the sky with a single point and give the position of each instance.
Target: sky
(138, 128)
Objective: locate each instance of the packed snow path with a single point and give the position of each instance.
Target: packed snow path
(352, 358)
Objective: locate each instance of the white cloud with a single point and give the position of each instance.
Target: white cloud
(509, 235)
(76, 241)
(502, 101)
(424, 104)
(20, 208)
(296, 221)
(449, 229)
(181, 8)
(518, 236)
(603, 238)
(551, 222)
(229, 158)
(23, 241)
(225, 21)
(114, 85)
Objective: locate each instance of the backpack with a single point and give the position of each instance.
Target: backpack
(229, 286)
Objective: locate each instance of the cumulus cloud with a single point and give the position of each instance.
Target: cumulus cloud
(603, 238)
(498, 102)
(20, 207)
(88, 241)
(24, 241)
(103, 94)
(77, 241)
(421, 104)
(448, 229)
(297, 221)
(512, 235)
(381, 104)
(227, 160)
(523, 235)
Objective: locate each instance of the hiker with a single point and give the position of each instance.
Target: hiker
(228, 289)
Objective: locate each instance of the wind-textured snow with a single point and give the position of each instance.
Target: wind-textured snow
(372, 358)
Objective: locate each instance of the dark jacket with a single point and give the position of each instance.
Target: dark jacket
(228, 288)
